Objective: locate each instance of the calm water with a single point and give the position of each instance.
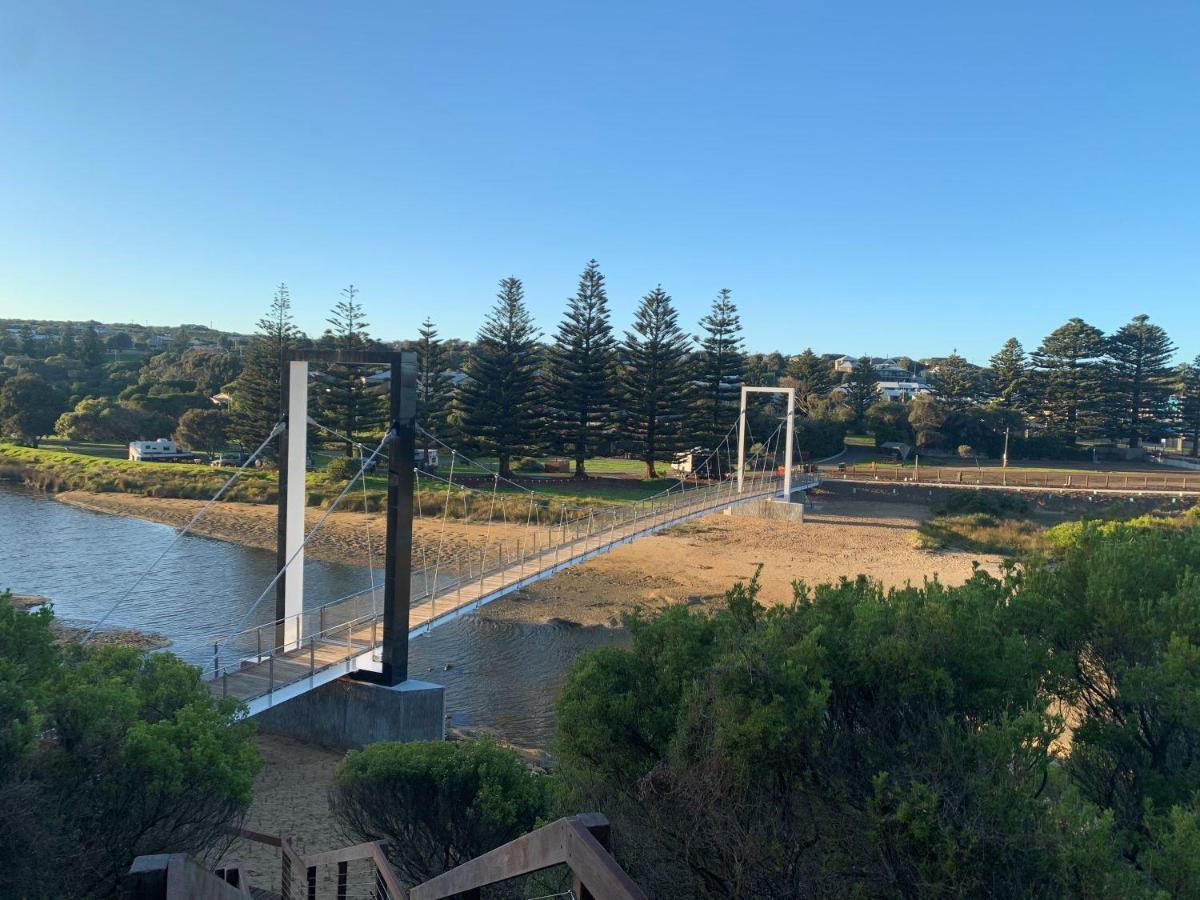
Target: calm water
(501, 674)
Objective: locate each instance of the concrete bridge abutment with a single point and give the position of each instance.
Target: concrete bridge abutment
(348, 714)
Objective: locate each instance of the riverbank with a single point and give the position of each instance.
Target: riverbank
(65, 632)
(693, 563)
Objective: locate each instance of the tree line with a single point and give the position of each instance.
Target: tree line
(655, 389)
(648, 392)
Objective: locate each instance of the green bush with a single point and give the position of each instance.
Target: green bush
(529, 464)
(902, 743)
(437, 804)
(342, 468)
(993, 503)
(107, 754)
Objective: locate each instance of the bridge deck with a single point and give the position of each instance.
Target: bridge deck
(350, 628)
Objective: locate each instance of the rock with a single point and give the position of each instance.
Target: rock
(28, 601)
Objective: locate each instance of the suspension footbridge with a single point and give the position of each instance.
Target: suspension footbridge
(304, 646)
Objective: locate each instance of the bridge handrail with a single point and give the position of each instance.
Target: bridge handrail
(249, 643)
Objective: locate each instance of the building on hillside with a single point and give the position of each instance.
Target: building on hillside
(888, 368)
(895, 391)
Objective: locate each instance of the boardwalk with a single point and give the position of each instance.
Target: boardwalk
(342, 636)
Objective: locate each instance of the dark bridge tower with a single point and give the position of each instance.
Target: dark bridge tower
(397, 582)
(397, 585)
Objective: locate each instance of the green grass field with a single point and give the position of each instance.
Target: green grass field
(104, 468)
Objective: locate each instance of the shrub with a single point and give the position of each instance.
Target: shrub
(966, 451)
(864, 743)
(107, 754)
(342, 468)
(529, 464)
(437, 804)
(992, 503)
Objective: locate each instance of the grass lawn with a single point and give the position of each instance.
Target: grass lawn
(103, 451)
(1043, 465)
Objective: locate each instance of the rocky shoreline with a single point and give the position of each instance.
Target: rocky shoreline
(71, 632)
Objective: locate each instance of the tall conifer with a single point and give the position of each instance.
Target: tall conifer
(256, 392)
(581, 366)
(1008, 377)
(720, 370)
(1140, 379)
(432, 391)
(346, 399)
(655, 379)
(811, 376)
(862, 388)
(1070, 382)
(498, 401)
(1189, 403)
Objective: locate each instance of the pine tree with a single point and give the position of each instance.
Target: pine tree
(1009, 375)
(1070, 380)
(655, 379)
(350, 403)
(721, 367)
(1140, 379)
(431, 387)
(580, 371)
(497, 403)
(1189, 402)
(861, 389)
(29, 347)
(956, 382)
(257, 391)
(66, 343)
(811, 376)
(91, 351)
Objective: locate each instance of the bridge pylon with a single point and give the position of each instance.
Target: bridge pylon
(351, 712)
(790, 432)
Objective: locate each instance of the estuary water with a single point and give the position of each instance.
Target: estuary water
(500, 674)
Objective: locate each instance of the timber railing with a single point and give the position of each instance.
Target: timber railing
(580, 843)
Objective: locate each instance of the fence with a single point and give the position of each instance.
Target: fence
(1017, 477)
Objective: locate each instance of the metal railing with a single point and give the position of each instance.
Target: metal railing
(348, 627)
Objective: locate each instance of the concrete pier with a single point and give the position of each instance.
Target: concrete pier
(770, 509)
(348, 714)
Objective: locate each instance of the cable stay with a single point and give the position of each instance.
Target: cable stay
(308, 537)
(279, 426)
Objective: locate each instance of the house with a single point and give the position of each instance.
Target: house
(888, 368)
(895, 391)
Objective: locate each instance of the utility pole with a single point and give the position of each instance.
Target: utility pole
(1004, 464)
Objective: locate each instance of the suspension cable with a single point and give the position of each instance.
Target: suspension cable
(196, 518)
(321, 521)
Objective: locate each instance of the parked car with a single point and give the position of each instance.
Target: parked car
(229, 459)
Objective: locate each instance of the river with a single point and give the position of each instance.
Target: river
(500, 674)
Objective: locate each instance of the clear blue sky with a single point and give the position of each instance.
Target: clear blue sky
(875, 177)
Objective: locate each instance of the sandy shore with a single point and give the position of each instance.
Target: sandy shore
(694, 563)
(346, 537)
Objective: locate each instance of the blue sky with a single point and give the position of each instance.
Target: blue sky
(874, 177)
